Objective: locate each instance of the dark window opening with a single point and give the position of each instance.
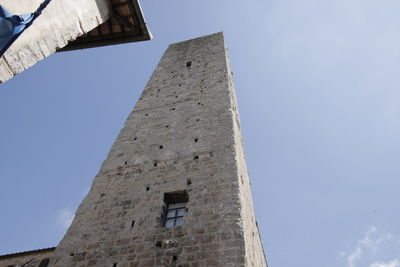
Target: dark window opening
(115, 264)
(188, 181)
(175, 203)
(161, 147)
(196, 157)
(196, 140)
(158, 244)
(174, 258)
(132, 224)
(147, 188)
(44, 262)
(188, 64)
(155, 164)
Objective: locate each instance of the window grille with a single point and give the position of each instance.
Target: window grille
(174, 214)
(175, 208)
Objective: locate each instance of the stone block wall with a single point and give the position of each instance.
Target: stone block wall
(182, 136)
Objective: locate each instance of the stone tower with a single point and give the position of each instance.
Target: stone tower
(174, 189)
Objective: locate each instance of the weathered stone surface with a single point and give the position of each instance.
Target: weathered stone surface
(183, 134)
(61, 22)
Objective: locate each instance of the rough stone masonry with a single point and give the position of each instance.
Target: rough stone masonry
(181, 153)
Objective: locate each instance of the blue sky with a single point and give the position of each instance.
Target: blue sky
(318, 91)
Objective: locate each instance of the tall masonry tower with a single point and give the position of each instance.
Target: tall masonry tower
(174, 189)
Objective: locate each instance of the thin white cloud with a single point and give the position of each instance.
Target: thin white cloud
(393, 263)
(65, 217)
(354, 257)
(366, 243)
(371, 243)
(370, 240)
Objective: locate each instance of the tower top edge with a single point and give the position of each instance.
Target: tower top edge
(209, 36)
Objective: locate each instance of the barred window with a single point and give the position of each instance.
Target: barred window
(175, 213)
(175, 208)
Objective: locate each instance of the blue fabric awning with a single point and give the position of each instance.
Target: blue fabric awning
(11, 26)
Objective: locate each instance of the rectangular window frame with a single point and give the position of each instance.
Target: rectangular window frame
(175, 208)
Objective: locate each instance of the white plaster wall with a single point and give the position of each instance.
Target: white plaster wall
(61, 22)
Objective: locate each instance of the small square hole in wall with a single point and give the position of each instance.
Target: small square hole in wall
(132, 224)
(196, 157)
(155, 164)
(161, 147)
(174, 258)
(115, 264)
(158, 244)
(196, 140)
(147, 188)
(188, 64)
